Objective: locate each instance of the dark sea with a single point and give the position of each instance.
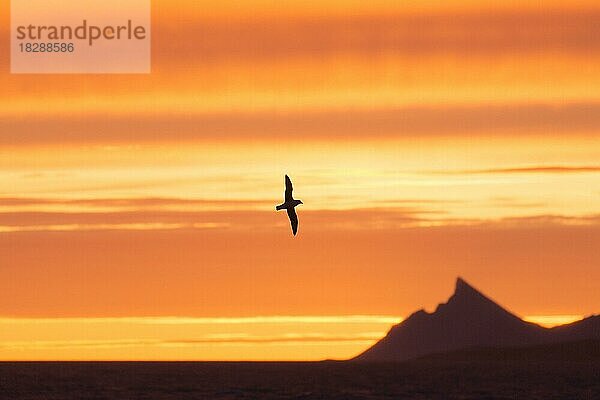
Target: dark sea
(321, 380)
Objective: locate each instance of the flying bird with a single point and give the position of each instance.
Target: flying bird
(289, 204)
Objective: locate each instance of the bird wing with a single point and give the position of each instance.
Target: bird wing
(288, 189)
(293, 219)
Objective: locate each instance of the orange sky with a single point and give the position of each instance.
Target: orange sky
(427, 141)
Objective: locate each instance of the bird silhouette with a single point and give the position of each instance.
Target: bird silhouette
(289, 204)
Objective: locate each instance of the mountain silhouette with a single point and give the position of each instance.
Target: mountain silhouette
(583, 350)
(468, 320)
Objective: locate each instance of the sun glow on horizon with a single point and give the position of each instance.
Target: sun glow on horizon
(549, 321)
(185, 338)
(283, 338)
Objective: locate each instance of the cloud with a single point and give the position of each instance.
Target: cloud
(348, 60)
(550, 169)
(409, 122)
(510, 202)
(546, 220)
(368, 219)
(252, 320)
(109, 227)
(208, 340)
(287, 338)
(363, 218)
(33, 214)
(128, 203)
(411, 35)
(480, 33)
(264, 271)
